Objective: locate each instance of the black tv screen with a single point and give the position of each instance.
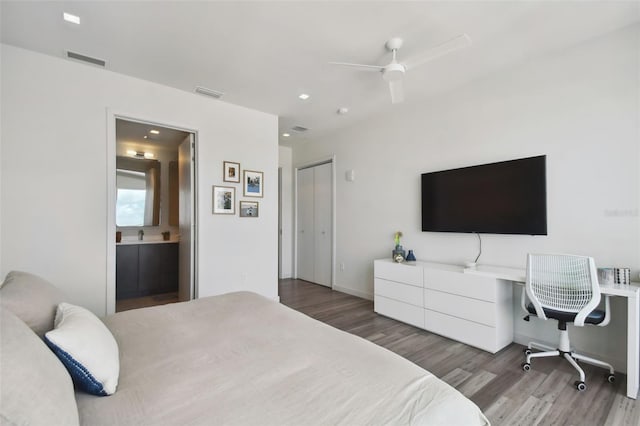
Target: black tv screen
(509, 197)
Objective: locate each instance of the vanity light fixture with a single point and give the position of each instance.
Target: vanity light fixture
(74, 19)
(154, 132)
(140, 154)
(286, 135)
(303, 96)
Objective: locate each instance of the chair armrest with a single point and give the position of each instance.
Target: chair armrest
(523, 300)
(607, 312)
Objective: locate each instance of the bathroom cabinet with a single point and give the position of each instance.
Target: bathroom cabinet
(146, 269)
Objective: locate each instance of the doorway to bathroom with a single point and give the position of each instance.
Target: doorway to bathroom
(153, 214)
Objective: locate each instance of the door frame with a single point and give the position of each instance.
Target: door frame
(323, 160)
(112, 116)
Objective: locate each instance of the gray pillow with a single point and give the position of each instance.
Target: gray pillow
(36, 388)
(32, 299)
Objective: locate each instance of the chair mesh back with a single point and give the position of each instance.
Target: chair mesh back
(561, 282)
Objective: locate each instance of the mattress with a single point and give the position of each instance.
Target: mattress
(241, 359)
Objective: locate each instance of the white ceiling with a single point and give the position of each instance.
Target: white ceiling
(263, 54)
(138, 136)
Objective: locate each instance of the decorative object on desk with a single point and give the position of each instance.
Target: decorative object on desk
(410, 256)
(398, 250)
(118, 236)
(249, 209)
(253, 183)
(398, 257)
(224, 200)
(231, 171)
(166, 235)
(622, 276)
(605, 275)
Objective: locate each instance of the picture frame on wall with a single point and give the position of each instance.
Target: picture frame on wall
(249, 209)
(224, 200)
(253, 183)
(231, 171)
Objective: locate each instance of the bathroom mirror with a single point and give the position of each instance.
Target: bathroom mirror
(138, 192)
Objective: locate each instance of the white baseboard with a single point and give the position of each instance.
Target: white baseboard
(619, 364)
(357, 293)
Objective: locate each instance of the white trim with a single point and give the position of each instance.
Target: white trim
(110, 291)
(357, 293)
(322, 160)
(112, 115)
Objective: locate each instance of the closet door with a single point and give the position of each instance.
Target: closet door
(314, 223)
(322, 224)
(305, 197)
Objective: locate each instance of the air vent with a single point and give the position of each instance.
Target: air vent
(209, 92)
(299, 129)
(83, 58)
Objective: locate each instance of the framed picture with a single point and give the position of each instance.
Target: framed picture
(224, 200)
(249, 209)
(253, 183)
(231, 172)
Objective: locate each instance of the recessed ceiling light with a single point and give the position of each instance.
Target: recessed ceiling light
(154, 132)
(303, 96)
(286, 135)
(71, 18)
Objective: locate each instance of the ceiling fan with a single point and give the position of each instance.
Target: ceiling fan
(394, 71)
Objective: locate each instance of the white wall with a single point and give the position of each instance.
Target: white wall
(286, 251)
(580, 107)
(54, 131)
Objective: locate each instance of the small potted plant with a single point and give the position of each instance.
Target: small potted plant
(398, 253)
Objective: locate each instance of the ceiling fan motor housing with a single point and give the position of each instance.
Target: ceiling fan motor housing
(393, 72)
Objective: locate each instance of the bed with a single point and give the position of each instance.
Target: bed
(241, 359)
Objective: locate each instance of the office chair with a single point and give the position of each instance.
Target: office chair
(564, 288)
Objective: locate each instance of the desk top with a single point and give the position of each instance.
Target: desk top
(518, 276)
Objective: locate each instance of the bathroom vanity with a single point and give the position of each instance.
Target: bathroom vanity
(144, 268)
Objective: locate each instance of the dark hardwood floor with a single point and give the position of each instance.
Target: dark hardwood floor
(496, 383)
(146, 301)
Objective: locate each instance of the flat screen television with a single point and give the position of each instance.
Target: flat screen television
(509, 197)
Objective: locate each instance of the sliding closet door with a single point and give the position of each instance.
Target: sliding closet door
(314, 224)
(322, 224)
(306, 247)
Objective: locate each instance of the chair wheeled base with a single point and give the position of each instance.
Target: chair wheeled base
(564, 351)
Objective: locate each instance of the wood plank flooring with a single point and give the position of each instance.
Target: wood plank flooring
(496, 383)
(146, 301)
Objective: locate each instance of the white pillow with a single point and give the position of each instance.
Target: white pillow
(87, 349)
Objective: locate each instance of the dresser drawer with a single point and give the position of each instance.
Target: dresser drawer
(404, 312)
(474, 286)
(471, 333)
(461, 307)
(402, 273)
(398, 291)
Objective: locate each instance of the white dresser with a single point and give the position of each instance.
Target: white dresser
(473, 309)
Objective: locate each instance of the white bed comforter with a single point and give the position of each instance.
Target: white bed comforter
(241, 359)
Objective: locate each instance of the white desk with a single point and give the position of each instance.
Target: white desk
(631, 292)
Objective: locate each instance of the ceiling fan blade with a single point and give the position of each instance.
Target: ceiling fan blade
(397, 92)
(362, 67)
(456, 43)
